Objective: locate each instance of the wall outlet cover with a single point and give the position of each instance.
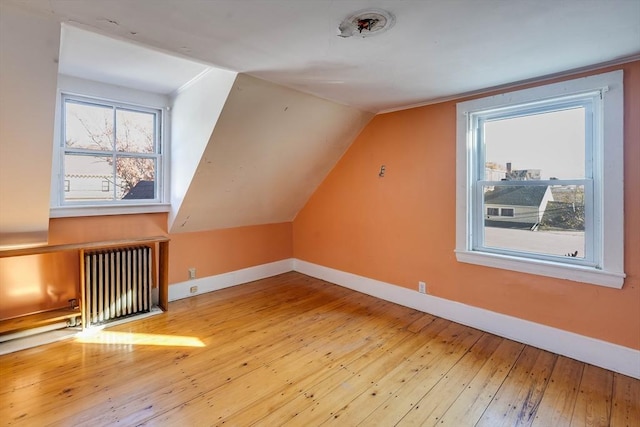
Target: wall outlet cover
(422, 287)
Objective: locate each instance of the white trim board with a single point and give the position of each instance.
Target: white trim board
(225, 280)
(607, 355)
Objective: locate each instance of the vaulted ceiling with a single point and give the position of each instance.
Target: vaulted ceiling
(266, 94)
(435, 49)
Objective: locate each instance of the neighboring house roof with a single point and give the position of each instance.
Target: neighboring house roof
(516, 196)
(142, 190)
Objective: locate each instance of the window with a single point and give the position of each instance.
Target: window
(111, 154)
(549, 160)
(506, 212)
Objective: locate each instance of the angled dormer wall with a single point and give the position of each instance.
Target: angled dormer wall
(194, 113)
(29, 47)
(270, 148)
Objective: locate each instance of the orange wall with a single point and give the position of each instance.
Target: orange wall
(40, 282)
(220, 251)
(210, 252)
(401, 228)
(37, 282)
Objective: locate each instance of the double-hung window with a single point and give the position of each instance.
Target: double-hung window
(539, 175)
(110, 154)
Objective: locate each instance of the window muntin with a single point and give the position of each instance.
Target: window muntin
(593, 192)
(112, 142)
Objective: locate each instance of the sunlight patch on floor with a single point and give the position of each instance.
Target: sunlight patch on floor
(133, 338)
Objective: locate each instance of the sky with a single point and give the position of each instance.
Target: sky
(552, 142)
(136, 124)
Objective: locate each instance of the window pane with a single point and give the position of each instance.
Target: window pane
(541, 219)
(506, 212)
(135, 131)
(88, 126)
(86, 176)
(136, 178)
(541, 146)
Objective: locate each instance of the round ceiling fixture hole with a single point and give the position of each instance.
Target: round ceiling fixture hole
(366, 23)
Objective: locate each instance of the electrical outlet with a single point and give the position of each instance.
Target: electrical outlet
(193, 289)
(422, 287)
(192, 273)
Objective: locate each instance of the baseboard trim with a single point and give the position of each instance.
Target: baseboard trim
(607, 355)
(220, 281)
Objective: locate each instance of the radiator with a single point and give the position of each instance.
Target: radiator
(117, 284)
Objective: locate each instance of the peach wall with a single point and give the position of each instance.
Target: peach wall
(401, 228)
(220, 251)
(41, 282)
(210, 252)
(35, 283)
(109, 227)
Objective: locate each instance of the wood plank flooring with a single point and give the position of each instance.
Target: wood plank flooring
(294, 350)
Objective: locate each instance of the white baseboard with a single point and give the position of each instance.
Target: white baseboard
(610, 356)
(220, 281)
(585, 349)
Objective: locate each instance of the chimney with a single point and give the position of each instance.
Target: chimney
(508, 167)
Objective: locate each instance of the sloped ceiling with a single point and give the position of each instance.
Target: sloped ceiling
(436, 49)
(270, 148)
(244, 151)
(92, 56)
(271, 142)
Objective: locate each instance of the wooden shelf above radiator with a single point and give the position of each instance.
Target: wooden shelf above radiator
(37, 320)
(5, 253)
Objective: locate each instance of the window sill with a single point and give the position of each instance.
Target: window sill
(575, 273)
(95, 210)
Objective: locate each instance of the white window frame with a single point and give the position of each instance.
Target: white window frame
(606, 267)
(104, 93)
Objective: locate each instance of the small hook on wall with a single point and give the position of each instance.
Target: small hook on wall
(382, 170)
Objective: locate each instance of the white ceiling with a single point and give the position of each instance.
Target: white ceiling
(437, 48)
(92, 56)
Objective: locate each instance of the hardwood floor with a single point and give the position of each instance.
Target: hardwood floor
(298, 351)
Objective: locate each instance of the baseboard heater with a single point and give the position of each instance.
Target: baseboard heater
(116, 284)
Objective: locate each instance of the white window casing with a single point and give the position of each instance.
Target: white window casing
(70, 88)
(603, 184)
